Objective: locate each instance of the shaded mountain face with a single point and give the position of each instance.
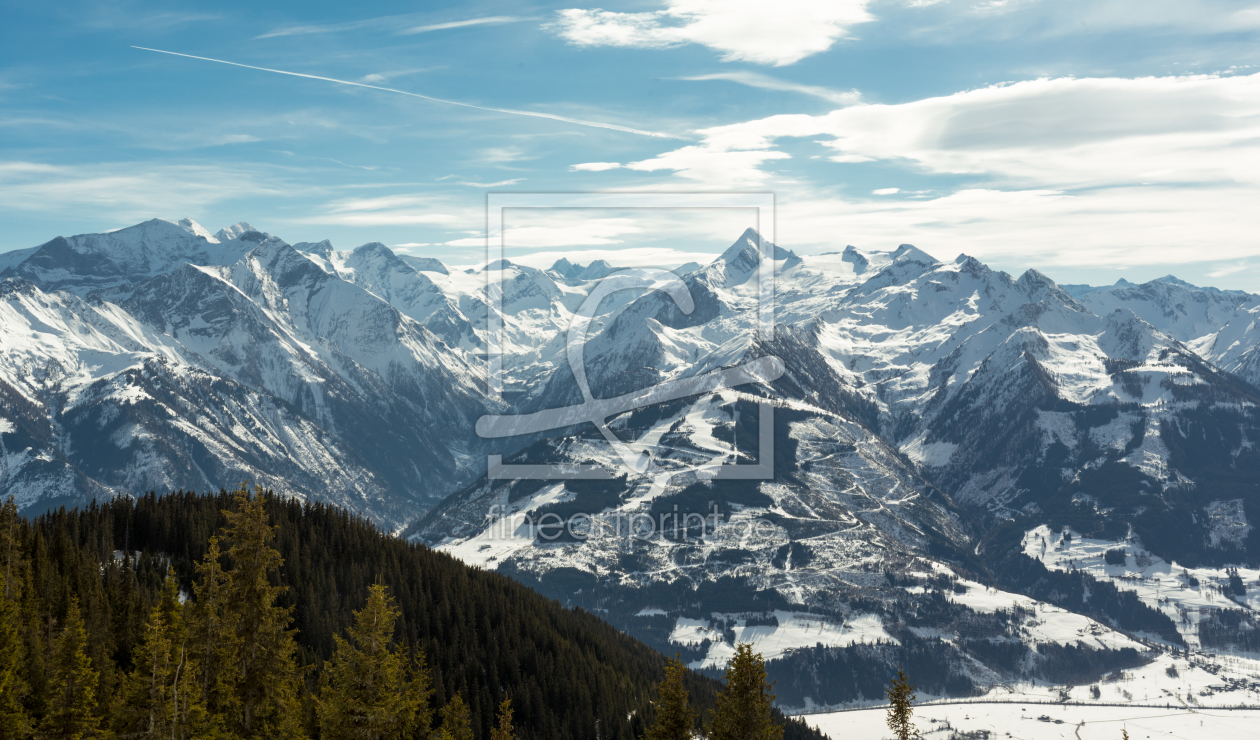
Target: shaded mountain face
(160, 357)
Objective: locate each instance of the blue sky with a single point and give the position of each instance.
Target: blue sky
(1090, 140)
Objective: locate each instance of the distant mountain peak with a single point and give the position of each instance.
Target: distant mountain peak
(911, 253)
(856, 258)
(235, 231)
(196, 229)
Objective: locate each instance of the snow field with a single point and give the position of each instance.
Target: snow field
(1031, 721)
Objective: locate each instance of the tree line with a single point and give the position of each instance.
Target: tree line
(187, 616)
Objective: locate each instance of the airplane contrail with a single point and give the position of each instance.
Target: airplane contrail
(552, 116)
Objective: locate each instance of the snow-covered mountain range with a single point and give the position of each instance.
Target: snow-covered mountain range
(933, 416)
(160, 357)
(945, 438)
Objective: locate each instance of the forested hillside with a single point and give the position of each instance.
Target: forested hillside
(89, 620)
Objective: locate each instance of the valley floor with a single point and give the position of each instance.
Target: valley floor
(1032, 721)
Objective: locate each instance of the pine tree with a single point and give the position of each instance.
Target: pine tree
(901, 706)
(1124, 733)
(14, 721)
(212, 642)
(743, 707)
(72, 706)
(160, 696)
(369, 695)
(674, 718)
(269, 681)
(504, 730)
(456, 721)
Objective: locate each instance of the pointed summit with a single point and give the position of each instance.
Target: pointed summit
(746, 250)
(1039, 288)
(911, 253)
(196, 229)
(235, 231)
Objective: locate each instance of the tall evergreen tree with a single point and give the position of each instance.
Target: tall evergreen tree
(456, 720)
(212, 641)
(14, 721)
(72, 706)
(269, 681)
(369, 695)
(160, 699)
(674, 718)
(743, 707)
(504, 731)
(901, 706)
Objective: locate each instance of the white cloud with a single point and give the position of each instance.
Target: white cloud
(594, 167)
(1094, 171)
(775, 33)
(766, 82)
(495, 20)
(130, 190)
(387, 210)
(1049, 132)
(499, 184)
(886, 191)
(1109, 227)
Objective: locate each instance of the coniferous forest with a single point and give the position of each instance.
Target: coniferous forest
(247, 615)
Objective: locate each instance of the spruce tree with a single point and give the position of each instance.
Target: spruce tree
(456, 720)
(160, 697)
(743, 707)
(72, 705)
(212, 641)
(368, 695)
(504, 729)
(674, 718)
(14, 721)
(269, 682)
(901, 706)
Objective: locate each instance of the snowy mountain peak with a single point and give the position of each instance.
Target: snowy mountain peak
(323, 249)
(1038, 288)
(196, 229)
(425, 264)
(234, 231)
(596, 270)
(745, 252)
(564, 268)
(574, 271)
(856, 258)
(911, 253)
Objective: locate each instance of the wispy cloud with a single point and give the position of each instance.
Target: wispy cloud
(595, 166)
(1227, 270)
(397, 24)
(499, 184)
(382, 22)
(110, 17)
(128, 190)
(389, 210)
(1054, 133)
(766, 82)
(494, 20)
(532, 114)
(778, 33)
(386, 76)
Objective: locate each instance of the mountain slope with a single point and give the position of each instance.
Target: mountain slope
(196, 361)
